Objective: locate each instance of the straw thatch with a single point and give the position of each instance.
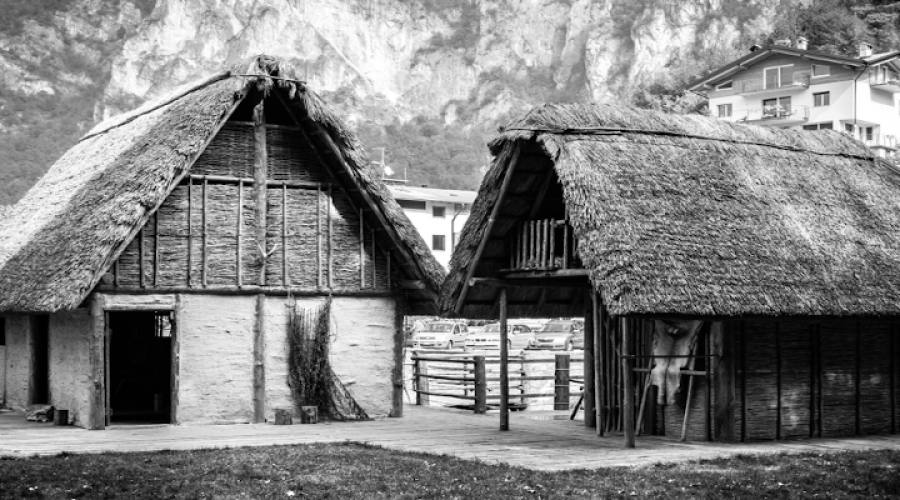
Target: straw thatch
(691, 215)
(67, 230)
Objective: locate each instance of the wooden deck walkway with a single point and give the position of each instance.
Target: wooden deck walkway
(540, 444)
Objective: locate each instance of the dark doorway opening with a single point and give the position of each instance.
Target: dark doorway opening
(40, 360)
(140, 366)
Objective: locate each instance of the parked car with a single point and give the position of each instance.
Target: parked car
(519, 337)
(439, 335)
(558, 334)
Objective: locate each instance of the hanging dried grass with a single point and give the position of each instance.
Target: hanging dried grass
(312, 381)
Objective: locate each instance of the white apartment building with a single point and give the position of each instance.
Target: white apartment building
(438, 215)
(791, 87)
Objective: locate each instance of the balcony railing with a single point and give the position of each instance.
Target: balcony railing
(544, 244)
(773, 112)
(798, 80)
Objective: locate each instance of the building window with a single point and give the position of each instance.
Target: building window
(819, 126)
(776, 107)
(848, 127)
(411, 204)
(777, 76)
(724, 110)
(438, 242)
(821, 70)
(869, 134)
(821, 99)
(725, 86)
(438, 211)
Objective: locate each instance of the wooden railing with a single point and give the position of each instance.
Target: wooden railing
(544, 244)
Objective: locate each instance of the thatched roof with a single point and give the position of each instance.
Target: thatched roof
(690, 215)
(68, 229)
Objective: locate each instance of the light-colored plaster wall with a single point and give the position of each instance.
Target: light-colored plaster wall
(215, 337)
(361, 352)
(18, 360)
(70, 385)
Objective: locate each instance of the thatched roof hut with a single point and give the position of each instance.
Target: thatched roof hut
(75, 222)
(688, 215)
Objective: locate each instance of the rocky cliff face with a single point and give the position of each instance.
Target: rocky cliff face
(466, 63)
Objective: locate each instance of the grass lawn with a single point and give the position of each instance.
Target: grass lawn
(340, 471)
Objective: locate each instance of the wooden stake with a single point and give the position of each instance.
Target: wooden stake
(203, 231)
(97, 363)
(628, 387)
(156, 249)
(141, 257)
(330, 231)
(374, 266)
(397, 369)
(285, 276)
(318, 238)
(504, 363)
(240, 224)
(260, 173)
(259, 361)
(190, 239)
(590, 415)
(362, 252)
(599, 393)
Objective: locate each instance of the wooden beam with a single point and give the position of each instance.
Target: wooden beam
(599, 393)
(319, 238)
(203, 231)
(397, 369)
(140, 237)
(590, 416)
(259, 361)
(285, 275)
(723, 367)
(238, 231)
(260, 173)
(97, 363)
(251, 181)
(176, 361)
(374, 263)
(411, 284)
(495, 211)
(190, 238)
(627, 385)
(561, 282)
(504, 363)
(156, 248)
(330, 201)
(362, 251)
(777, 382)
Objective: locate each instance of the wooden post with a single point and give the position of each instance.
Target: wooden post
(318, 237)
(140, 238)
(590, 415)
(374, 284)
(240, 224)
(156, 249)
(259, 361)
(856, 391)
(397, 369)
(285, 275)
(330, 231)
(504, 363)
(421, 375)
(260, 167)
(627, 386)
(599, 393)
(743, 381)
(723, 380)
(892, 356)
(176, 360)
(777, 382)
(480, 385)
(203, 231)
(561, 382)
(96, 358)
(362, 252)
(190, 238)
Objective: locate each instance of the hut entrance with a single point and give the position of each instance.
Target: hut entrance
(140, 366)
(40, 360)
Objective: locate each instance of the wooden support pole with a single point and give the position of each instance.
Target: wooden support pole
(203, 231)
(590, 415)
(259, 361)
(319, 238)
(176, 360)
(812, 381)
(156, 249)
(362, 251)
(238, 230)
(627, 385)
(397, 369)
(260, 168)
(285, 275)
(116, 273)
(504, 363)
(820, 380)
(480, 385)
(97, 361)
(857, 400)
(723, 368)
(777, 382)
(140, 238)
(599, 393)
(190, 238)
(330, 231)
(743, 381)
(374, 266)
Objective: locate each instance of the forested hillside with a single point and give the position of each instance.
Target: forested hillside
(427, 80)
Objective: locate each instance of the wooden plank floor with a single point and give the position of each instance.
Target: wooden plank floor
(534, 443)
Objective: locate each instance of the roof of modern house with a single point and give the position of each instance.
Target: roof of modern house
(771, 50)
(684, 214)
(404, 192)
(65, 233)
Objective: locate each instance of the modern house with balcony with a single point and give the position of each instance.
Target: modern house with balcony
(788, 86)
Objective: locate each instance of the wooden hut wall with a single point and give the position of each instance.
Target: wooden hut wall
(308, 220)
(800, 379)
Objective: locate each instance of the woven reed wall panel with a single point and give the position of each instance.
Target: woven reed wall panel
(230, 153)
(874, 380)
(673, 414)
(274, 242)
(838, 377)
(173, 239)
(796, 374)
(345, 238)
(291, 158)
(250, 250)
(221, 234)
(761, 396)
(303, 209)
(127, 266)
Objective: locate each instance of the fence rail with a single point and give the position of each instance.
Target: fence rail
(466, 377)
